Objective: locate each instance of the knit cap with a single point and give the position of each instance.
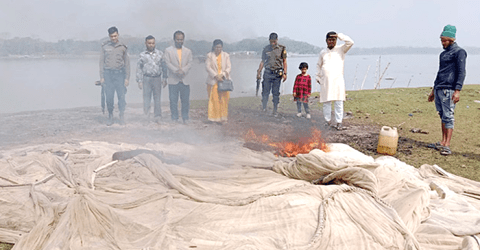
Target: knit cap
(449, 31)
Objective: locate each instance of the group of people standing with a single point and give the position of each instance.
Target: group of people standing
(329, 75)
(156, 69)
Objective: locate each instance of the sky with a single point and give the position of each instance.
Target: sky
(370, 23)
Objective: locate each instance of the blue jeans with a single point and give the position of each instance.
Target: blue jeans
(174, 91)
(152, 86)
(445, 106)
(271, 82)
(305, 106)
(115, 82)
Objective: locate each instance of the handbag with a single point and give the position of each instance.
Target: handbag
(225, 85)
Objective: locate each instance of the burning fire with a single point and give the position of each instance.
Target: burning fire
(291, 149)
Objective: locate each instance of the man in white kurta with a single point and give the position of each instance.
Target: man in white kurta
(330, 76)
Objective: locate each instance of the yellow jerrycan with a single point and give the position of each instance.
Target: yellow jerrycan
(387, 141)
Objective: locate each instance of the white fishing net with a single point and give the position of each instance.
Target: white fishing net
(224, 196)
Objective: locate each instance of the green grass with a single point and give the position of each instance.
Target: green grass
(4, 246)
(408, 108)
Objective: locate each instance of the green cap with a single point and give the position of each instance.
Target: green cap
(449, 31)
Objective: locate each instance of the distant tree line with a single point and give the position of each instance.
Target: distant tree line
(30, 46)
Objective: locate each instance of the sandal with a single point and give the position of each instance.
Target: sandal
(340, 127)
(446, 151)
(436, 146)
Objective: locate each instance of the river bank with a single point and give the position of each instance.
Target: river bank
(368, 111)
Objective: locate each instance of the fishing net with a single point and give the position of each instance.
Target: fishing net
(96, 195)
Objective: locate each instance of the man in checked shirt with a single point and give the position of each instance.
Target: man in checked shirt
(151, 75)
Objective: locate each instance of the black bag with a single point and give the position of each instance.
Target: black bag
(225, 85)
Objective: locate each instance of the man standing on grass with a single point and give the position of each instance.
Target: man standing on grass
(330, 76)
(447, 85)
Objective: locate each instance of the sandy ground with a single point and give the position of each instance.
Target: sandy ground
(89, 124)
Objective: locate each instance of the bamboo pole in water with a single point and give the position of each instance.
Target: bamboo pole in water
(355, 78)
(409, 81)
(365, 78)
(377, 69)
(393, 82)
(381, 76)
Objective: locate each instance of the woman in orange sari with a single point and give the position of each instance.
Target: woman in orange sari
(218, 68)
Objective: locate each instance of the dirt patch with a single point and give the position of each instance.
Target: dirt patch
(80, 124)
(289, 127)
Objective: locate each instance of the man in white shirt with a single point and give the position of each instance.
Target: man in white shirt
(330, 68)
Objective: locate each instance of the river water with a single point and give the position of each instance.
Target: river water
(50, 83)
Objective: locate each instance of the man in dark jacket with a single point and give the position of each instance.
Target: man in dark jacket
(447, 86)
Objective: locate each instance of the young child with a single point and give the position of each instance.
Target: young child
(302, 90)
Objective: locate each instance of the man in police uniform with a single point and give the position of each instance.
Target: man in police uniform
(114, 73)
(274, 58)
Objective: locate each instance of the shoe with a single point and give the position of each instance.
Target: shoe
(264, 110)
(122, 120)
(327, 124)
(446, 150)
(340, 127)
(158, 119)
(309, 116)
(275, 114)
(299, 115)
(185, 122)
(436, 146)
(110, 120)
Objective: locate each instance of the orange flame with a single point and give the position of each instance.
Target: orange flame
(291, 149)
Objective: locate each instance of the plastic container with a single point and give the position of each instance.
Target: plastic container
(387, 141)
